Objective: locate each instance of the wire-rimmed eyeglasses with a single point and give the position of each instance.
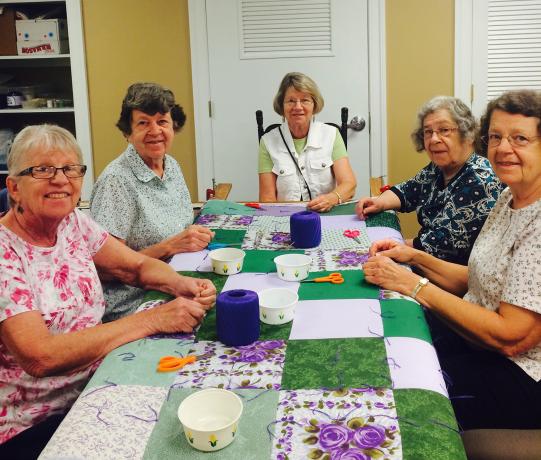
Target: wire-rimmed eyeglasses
(441, 132)
(305, 102)
(515, 140)
(48, 172)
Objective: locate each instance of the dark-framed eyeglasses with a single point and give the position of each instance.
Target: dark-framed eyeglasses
(515, 140)
(48, 172)
(441, 132)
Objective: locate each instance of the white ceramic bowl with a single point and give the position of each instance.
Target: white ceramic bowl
(277, 305)
(227, 261)
(210, 418)
(293, 267)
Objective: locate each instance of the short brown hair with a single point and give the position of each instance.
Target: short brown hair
(149, 98)
(525, 102)
(300, 82)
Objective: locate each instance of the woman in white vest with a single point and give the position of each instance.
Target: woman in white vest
(303, 159)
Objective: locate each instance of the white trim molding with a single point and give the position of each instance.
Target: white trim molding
(377, 70)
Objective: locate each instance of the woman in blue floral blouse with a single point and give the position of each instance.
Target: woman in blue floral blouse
(454, 193)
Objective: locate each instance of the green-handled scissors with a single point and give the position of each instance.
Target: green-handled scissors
(334, 278)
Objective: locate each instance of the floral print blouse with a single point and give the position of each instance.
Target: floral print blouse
(505, 265)
(61, 282)
(451, 216)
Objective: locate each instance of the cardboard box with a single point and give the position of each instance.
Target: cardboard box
(41, 29)
(42, 47)
(8, 37)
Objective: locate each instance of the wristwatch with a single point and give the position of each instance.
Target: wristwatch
(420, 285)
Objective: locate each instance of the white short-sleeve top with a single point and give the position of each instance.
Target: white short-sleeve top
(505, 265)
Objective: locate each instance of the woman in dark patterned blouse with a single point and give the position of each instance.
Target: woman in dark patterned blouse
(454, 193)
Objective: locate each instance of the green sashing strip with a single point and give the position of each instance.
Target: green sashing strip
(404, 318)
(427, 426)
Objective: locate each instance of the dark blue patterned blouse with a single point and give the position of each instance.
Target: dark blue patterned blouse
(451, 216)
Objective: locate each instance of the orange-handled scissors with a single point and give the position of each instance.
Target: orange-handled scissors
(172, 363)
(253, 205)
(334, 278)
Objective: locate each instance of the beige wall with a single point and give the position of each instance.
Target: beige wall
(128, 41)
(124, 44)
(420, 44)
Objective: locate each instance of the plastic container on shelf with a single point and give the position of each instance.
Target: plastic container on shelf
(14, 99)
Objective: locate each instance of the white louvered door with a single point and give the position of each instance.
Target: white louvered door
(252, 44)
(506, 48)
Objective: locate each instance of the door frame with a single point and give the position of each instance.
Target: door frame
(377, 94)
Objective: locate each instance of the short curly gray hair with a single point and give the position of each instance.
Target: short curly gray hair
(459, 111)
(300, 82)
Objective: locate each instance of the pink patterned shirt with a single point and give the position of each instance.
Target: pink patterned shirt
(62, 283)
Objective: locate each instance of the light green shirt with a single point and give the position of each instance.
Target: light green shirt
(265, 161)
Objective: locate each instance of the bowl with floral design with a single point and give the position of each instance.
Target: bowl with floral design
(210, 418)
(293, 267)
(277, 305)
(227, 261)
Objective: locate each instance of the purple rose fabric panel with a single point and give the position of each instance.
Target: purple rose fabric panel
(343, 259)
(192, 261)
(268, 209)
(341, 222)
(340, 318)
(334, 239)
(95, 427)
(258, 365)
(413, 363)
(346, 424)
(211, 220)
(382, 233)
(257, 282)
(258, 238)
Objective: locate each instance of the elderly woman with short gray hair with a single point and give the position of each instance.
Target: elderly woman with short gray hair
(51, 300)
(303, 159)
(454, 193)
(141, 197)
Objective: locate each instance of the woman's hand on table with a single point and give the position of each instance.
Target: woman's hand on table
(399, 252)
(194, 238)
(386, 273)
(323, 203)
(201, 291)
(368, 205)
(178, 315)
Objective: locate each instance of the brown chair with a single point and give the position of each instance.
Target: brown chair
(221, 191)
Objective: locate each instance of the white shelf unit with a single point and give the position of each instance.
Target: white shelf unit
(70, 67)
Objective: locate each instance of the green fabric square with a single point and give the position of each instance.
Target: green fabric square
(336, 363)
(252, 441)
(342, 210)
(226, 207)
(230, 237)
(136, 362)
(207, 331)
(260, 261)
(403, 318)
(427, 426)
(353, 287)
(383, 219)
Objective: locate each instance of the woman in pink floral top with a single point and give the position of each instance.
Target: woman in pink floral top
(51, 300)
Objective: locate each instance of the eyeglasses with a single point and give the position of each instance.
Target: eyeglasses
(48, 172)
(441, 132)
(515, 140)
(303, 102)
